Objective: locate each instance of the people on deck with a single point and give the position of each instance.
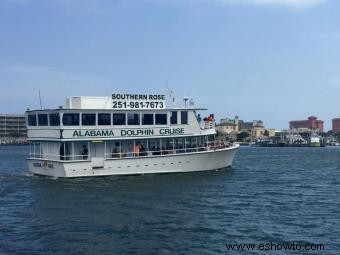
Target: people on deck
(136, 149)
(116, 153)
(85, 152)
(142, 151)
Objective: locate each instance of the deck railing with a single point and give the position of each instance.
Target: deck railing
(59, 157)
(116, 154)
(212, 146)
(207, 124)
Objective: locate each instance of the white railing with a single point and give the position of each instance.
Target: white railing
(209, 146)
(160, 152)
(54, 157)
(207, 124)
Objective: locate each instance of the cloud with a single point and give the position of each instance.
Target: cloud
(288, 3)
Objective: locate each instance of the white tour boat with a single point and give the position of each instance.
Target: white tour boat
(315, 140)
(123, 134)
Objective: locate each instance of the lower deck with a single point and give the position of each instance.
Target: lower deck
(209, 159)
(119, 149)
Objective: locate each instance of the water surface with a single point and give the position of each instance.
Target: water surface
(278, 195)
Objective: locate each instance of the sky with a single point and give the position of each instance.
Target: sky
(272, 60)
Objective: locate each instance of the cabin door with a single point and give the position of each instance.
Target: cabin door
(97, 153)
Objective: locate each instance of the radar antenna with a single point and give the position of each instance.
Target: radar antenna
(185, 99)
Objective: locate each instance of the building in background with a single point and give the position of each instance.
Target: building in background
(336, 125)
(227, 125)
(243, 126)
(257, 130)
(232, 127)
(229, 128)
(13, 129)
(312, 123)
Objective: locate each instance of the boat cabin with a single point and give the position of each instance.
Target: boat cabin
(110, 128)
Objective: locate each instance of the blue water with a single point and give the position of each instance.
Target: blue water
(278, 195)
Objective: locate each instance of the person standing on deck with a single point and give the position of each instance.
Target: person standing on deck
(85, 152)
(136, 149)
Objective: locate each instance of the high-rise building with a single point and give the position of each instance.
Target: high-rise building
(12, 128)
(311, 123)
(336, 125)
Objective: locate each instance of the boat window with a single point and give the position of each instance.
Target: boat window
(133, 118)
(179, 145)
(54, 119)
(191, 143)
(64, 151)
(184, 117)
(88, 119)
(161, 119)
(173, 118)
(42, 120)
(155, 146)
(32, 120)
(104, 119)
(147, 119)
(119, 119)
(71, 119)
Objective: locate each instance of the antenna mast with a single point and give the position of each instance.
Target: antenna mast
(171, 93)
(40, 100)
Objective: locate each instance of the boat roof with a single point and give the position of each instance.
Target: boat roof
(119, 103)
(118, 110)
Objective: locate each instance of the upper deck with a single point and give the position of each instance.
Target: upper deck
(123, 116)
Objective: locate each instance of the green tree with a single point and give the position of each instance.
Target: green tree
(242, 135)
(266, 133)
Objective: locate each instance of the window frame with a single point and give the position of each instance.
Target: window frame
(103, 113)
(29, 116)
(93, 123)
(73, 115)
(157, 122)
(153, 119)
(40, 115)
(133, 124)
(184, 117)
(171, 118)
(53, 124)
(122, 124)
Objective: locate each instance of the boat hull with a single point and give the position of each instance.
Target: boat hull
(187, 162)
(315, 144)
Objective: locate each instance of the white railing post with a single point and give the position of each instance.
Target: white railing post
(196, 144)
(73, 154)
(160, 146)
(89, 149)
(147, 147)
(64, 154)
(104, 149)
(134, 146)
